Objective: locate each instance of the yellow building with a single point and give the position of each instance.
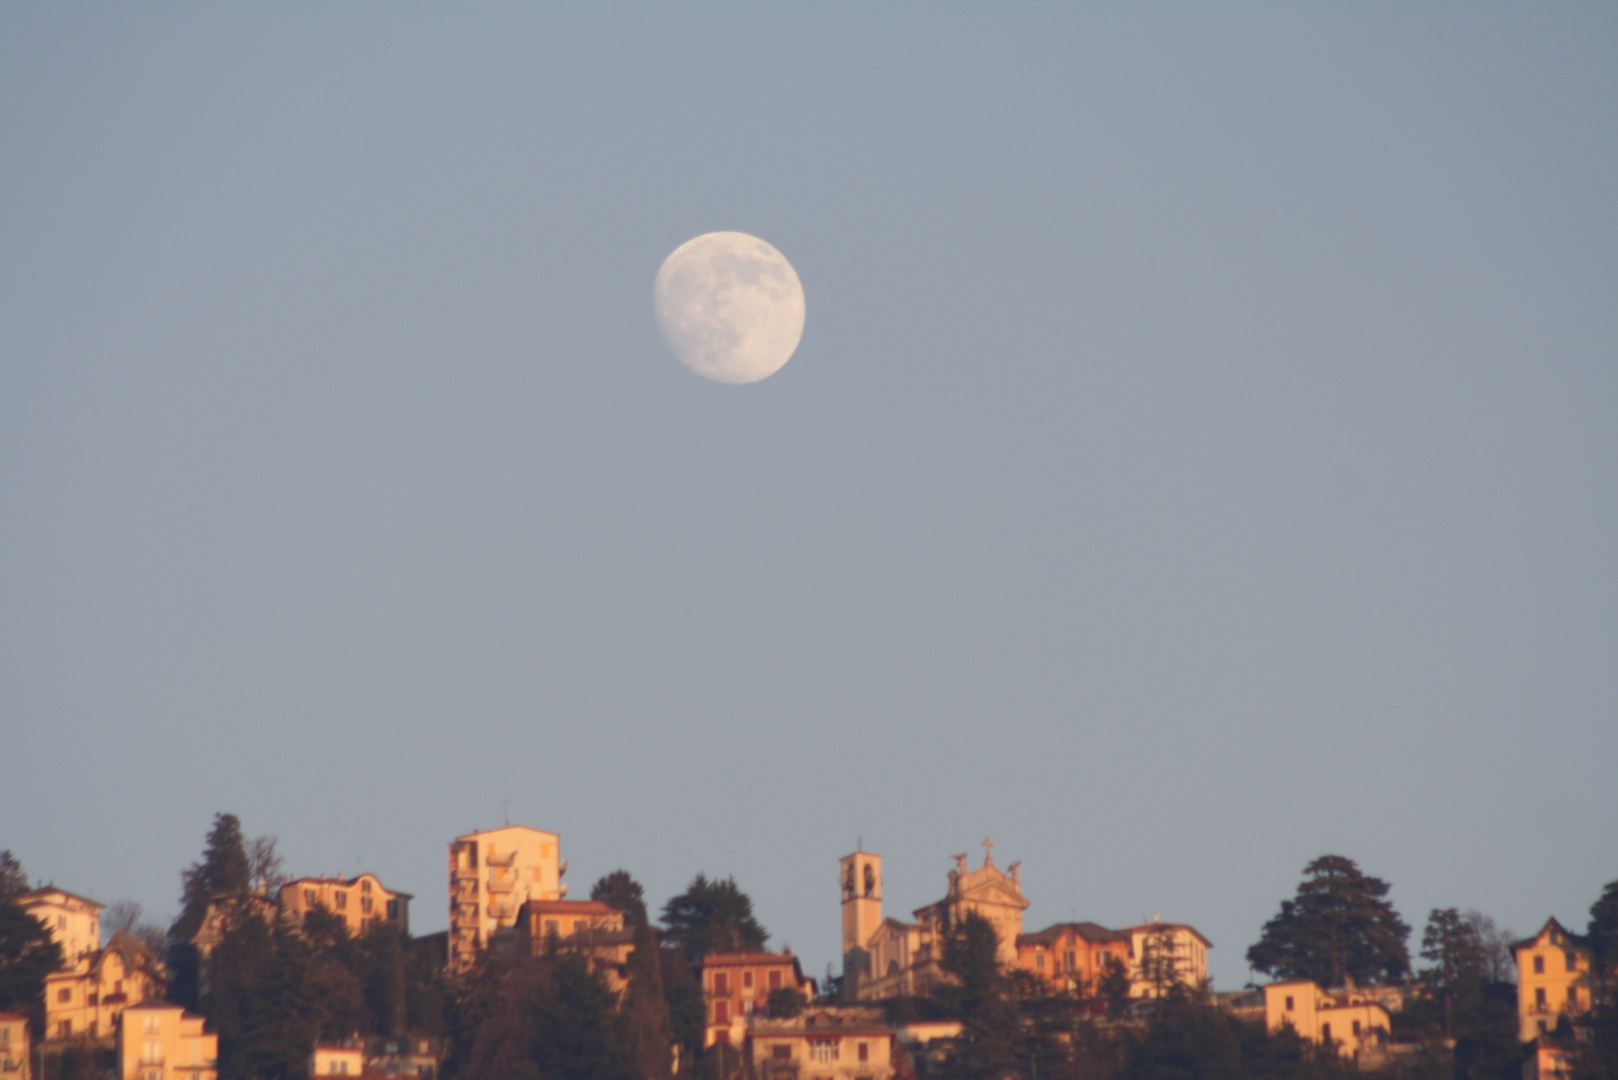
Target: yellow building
(1073, 957)
(492, 874)
(1350, 1021)
(1186, 957)
(587, 927)
(361, 901)
(1553, 979)
(87, 1000)
(16, 1055)
(823, 1043)
(74, 921)
(160, 1041)
(339, 1059)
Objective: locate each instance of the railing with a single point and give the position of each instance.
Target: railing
(503, 885)
(500, 860)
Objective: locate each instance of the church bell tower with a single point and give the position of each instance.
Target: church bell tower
(860, 875)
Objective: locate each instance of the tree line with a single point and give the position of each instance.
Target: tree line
(271, 989)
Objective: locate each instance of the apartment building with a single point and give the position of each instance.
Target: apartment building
(360, 901)
(492, 874)
(74, 921)
(161, 1041)
(737, 986)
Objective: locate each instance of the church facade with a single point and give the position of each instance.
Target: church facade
(885, 957)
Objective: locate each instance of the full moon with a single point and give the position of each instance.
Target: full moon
(730, 307)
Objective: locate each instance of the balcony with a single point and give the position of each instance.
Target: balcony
(501, 884)
(501, 860)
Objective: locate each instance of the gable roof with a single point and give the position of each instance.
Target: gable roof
(45, 893)
(1089, 931)
(1551, 929)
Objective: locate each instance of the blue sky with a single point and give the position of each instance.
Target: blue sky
(1200, 456)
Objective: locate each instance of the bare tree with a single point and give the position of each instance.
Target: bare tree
(265, 867)
(127, 915)
(1494, 942)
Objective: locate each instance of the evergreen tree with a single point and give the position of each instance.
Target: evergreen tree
(1603, 938)
(713, 916)
(379, 961)
(27, 955)
(13, 882)
(1451, 943)
(687, 1008)
(223, 871)
(1186, 1040)
(646, 1009)
(620, 891)
(1339, 926)
(980, 994)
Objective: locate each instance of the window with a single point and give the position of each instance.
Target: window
(721, 983)
(365, 886)
(865, 1051)
(747, 980)
(342, 901)
(781, 1052)
(1289, 1003)
(775, 980)
(1325, 1033)
(1539, 996)
(64, 1030)
(1539, 965)
(153, 1026)
(1356, 1029)
(1572, 961)
(1573, 995)
(5, 1036)
(309, 896)
(365, 904)
(721, 1011)
(1039, 961)
(1071, 964)
(393, 909)
(64, 995)
(823, 1050)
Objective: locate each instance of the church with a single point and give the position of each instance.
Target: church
(886, 958)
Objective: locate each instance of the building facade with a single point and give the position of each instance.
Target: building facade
(492, 874)
(16, 1052)
(588, 927)
(74, 921)
(160, 1041)
(1074, 957)
(1553, 979)
(1352, 1022)
(737, 986)
(361, 901)
(843, 1042)
(87, 1000)
(1163, 954)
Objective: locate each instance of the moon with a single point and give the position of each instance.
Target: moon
(730, 307)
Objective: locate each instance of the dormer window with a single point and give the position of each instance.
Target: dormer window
(365, 886)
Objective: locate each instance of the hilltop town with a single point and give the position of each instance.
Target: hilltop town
(264, 974)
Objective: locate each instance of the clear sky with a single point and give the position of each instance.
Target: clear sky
(1201, 455)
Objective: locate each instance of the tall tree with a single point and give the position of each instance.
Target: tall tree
(223, 871)
(1603, 936)
(980, 994)
(1450, 944)
(13, 882)
(713, 916)
(27, 955)
(620, 891)
(646, 1009)
(1339, 926)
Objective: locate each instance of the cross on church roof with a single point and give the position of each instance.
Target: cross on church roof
(988, 851)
